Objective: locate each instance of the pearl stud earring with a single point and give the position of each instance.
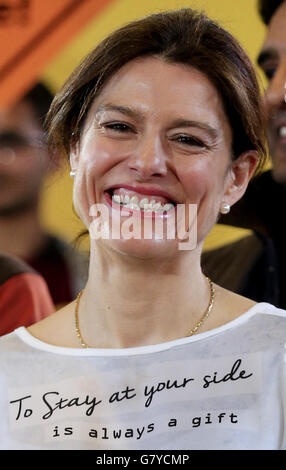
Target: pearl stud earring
(72, 173)
(224, 208)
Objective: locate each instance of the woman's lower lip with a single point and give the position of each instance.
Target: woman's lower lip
(126, 211)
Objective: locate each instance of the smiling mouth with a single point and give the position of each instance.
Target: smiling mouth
(132, 200)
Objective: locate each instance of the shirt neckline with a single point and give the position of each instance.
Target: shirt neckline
(23, 334)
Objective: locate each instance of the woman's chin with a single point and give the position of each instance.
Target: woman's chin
(143, 248)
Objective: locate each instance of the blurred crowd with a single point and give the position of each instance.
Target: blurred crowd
(39, 272)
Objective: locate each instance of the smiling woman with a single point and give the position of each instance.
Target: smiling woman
(164, 116)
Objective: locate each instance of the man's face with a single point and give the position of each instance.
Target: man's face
(272, 60)
(23, 159)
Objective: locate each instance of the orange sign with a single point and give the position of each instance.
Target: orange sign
(31, 33)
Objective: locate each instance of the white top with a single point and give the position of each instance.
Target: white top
(222, 389)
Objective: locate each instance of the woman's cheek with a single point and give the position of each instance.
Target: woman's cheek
(89, 179)
(81, 199)
(194, 182)
(201, 189)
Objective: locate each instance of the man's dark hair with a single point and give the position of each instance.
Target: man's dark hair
(267, 9)
(40, 97)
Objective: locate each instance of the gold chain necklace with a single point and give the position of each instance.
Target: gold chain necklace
(190, 333)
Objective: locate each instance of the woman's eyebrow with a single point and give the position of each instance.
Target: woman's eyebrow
(127, 110)
(213, 132)
(139, 116)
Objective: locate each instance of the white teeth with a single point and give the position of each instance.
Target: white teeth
(132, 206)
(145, 204)
(116, 198)
(148, 207)
(134, 200)
(282, 131)
(157, 206)
(167, 207)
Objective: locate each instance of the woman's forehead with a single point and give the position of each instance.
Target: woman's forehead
(150, 84)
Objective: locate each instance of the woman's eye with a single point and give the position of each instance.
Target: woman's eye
(117, 126)
(188, 140)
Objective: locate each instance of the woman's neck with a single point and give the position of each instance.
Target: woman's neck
(130, 302)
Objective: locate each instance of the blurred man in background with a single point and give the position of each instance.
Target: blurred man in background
(24, 164)
(256, 265)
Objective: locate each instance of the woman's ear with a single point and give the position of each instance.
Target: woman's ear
(74, 156)
(239, 175)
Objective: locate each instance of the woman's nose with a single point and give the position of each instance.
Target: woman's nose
(275, 95)
(150, 159)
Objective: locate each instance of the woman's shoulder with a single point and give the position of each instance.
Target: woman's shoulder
(227, 307)
(231, 306)
(57, 329)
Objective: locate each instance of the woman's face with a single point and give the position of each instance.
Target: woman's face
(156, 132)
